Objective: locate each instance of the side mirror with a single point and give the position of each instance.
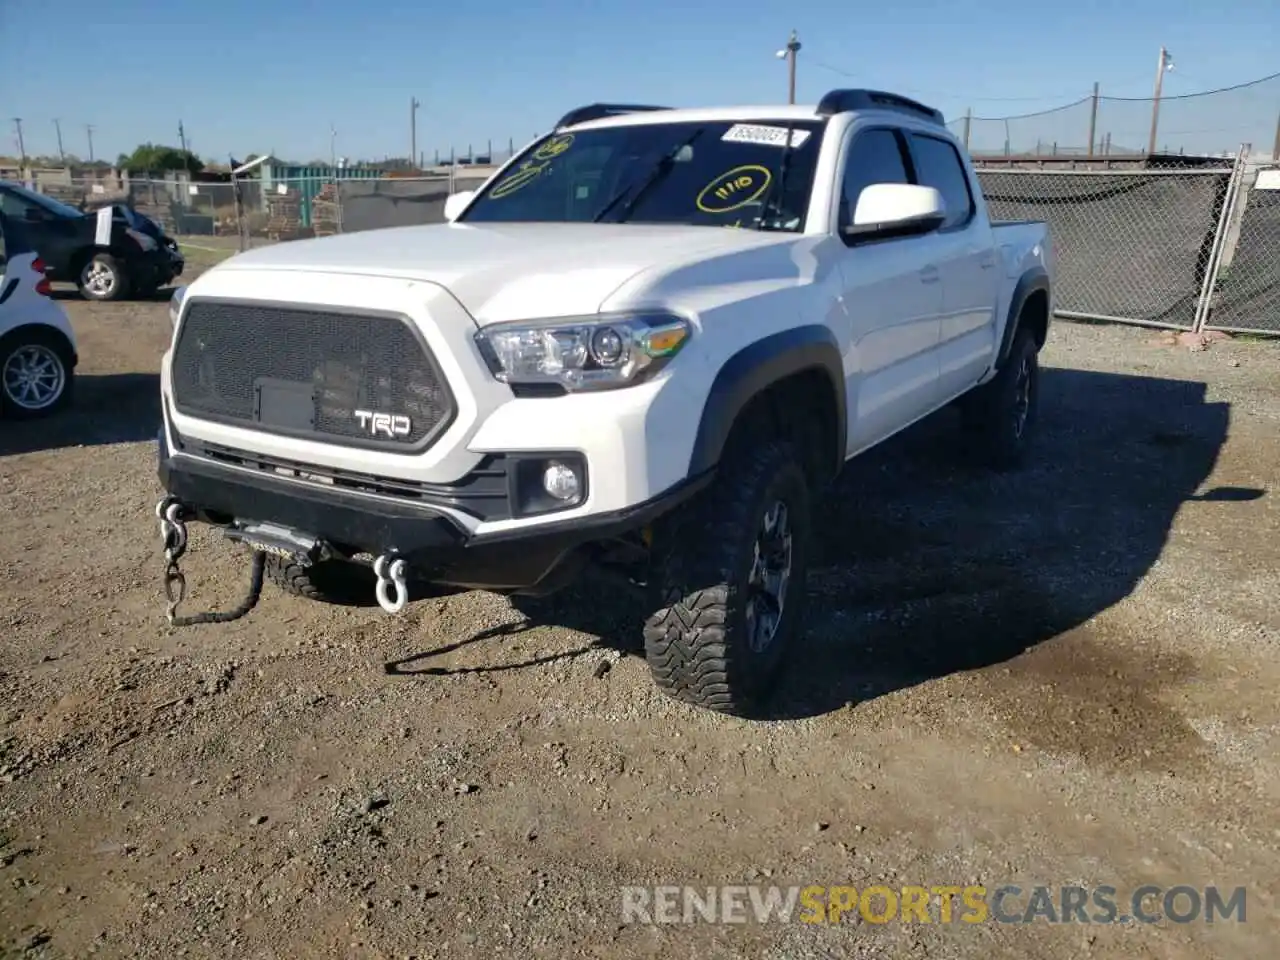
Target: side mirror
(455, 203)
(897, 209)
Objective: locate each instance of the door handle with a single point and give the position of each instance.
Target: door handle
(987, 261)
(930, 274)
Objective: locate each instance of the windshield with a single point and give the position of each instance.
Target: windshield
(53, 206)
(721, 174)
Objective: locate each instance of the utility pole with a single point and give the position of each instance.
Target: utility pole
(1275, 147)
(182, 141)
(968, 125)
(1165, 64)
(22, 145)
(88, 128)
(62, 154)
(414, 104)
(788, 53)
(333, 146)
(1093, 117)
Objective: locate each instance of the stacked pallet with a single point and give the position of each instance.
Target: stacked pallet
(326, 214)
(284, 215)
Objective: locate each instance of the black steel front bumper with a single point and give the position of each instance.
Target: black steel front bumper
(436, 547)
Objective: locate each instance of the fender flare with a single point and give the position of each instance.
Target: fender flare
(46, 330)
(754, 369)
(1034, 280)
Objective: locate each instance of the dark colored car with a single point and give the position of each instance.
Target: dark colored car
(109, 254)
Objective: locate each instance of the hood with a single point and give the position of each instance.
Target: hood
(509, 271)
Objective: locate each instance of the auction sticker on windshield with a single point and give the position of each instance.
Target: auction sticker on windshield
(764, 136)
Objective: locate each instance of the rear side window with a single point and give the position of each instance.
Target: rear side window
(939, 166)
(875, 156)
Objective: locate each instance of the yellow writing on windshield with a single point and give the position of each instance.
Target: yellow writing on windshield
(734, 189)
(532, 168)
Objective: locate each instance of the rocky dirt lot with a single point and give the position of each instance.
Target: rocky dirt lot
(1066, 676)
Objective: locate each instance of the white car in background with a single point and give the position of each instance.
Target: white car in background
(37, 346)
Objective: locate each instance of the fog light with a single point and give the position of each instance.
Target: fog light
(561, 482)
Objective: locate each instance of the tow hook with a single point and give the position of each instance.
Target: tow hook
(390, 571)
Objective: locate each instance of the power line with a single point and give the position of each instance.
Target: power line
(935, 94)
(1203, 93)
(1064, 106)
(1041, 113)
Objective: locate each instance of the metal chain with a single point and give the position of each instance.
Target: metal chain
(174, 533)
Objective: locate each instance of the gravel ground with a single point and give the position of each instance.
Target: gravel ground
(1062, 677)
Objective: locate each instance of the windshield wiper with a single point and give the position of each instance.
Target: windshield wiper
(779, 186)
(659, 170)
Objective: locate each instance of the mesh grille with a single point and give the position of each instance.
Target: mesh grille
(306, 372)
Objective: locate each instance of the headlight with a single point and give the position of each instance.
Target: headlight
(583, 353)
(175, 305)
(141, 239)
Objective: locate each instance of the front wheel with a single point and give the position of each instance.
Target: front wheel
(35, 375)
(103, 277)
(730, 580)
(329, 581)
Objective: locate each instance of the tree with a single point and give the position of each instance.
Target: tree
(154, 158)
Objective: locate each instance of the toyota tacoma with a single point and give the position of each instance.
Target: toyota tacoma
(645, 345)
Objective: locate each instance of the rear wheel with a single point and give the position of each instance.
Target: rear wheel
(1000, 416)
(103, 277)
(35, 374)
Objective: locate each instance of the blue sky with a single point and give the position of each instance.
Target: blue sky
(256, 76)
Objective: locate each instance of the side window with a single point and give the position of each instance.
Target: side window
(939, 166)
(4, 255)
(875, 156)
(12, 206)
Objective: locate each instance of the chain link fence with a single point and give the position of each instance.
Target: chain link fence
(1132, 245)
(1246, 294)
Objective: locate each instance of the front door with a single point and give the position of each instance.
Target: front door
(892, 296)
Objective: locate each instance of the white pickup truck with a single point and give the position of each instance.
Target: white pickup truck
(644, 345)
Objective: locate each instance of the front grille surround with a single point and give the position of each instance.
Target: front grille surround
(302, 371)
(484, 492)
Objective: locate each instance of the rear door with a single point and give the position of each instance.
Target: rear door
(18, 276)
(54, 238)
(892, 294)
(967, 263)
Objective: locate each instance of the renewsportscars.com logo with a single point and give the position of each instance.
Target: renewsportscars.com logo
(970, 903)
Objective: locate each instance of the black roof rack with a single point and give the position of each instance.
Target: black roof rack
(597, 111)
(839, 101)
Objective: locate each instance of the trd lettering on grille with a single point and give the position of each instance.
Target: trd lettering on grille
(391, 424)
